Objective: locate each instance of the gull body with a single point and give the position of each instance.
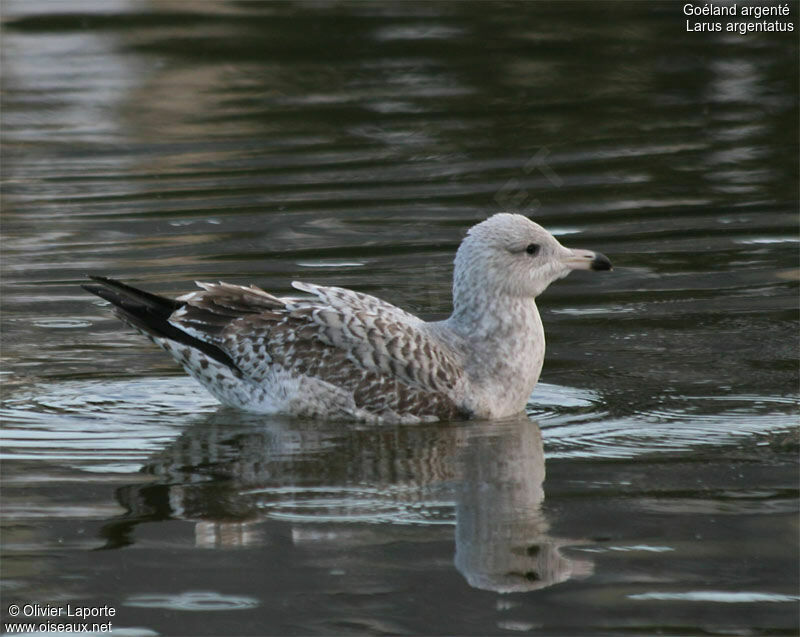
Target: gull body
(345, 355)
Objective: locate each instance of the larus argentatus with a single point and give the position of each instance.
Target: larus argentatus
(344, 354)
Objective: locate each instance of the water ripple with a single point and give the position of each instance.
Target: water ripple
(99, 424)
(193, 601)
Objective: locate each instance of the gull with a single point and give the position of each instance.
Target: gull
(341, 354)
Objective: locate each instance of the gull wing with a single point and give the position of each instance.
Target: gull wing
(354, 341)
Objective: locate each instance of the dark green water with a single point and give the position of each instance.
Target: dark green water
(653, 488)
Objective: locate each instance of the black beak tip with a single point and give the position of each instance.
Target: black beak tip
(601, 262)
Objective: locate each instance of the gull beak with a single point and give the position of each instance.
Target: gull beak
(586, 260)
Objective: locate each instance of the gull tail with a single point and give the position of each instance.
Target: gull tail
(149, 314)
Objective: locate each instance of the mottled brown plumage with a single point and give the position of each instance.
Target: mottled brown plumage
(352, 341)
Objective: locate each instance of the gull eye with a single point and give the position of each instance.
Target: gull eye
(532, 249)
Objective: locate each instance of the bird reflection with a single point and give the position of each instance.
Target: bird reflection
(231, 472)
(502, 541)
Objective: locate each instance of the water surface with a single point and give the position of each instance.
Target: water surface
(652, 486)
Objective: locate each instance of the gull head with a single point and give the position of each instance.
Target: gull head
(510, 255)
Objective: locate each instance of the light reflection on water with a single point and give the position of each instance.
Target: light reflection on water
(163, 145)
(193, 601)
(725, 597)
(108, 422)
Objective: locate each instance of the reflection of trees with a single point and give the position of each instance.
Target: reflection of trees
(231, 472)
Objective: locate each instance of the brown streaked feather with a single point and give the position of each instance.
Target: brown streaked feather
(352, 341)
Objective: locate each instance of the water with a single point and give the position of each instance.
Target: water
(652, 489)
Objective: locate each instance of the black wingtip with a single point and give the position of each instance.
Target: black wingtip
(99, 288)
(150, 314)
(145, 309)
(117, 292)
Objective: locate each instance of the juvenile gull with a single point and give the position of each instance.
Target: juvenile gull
(347, 355)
